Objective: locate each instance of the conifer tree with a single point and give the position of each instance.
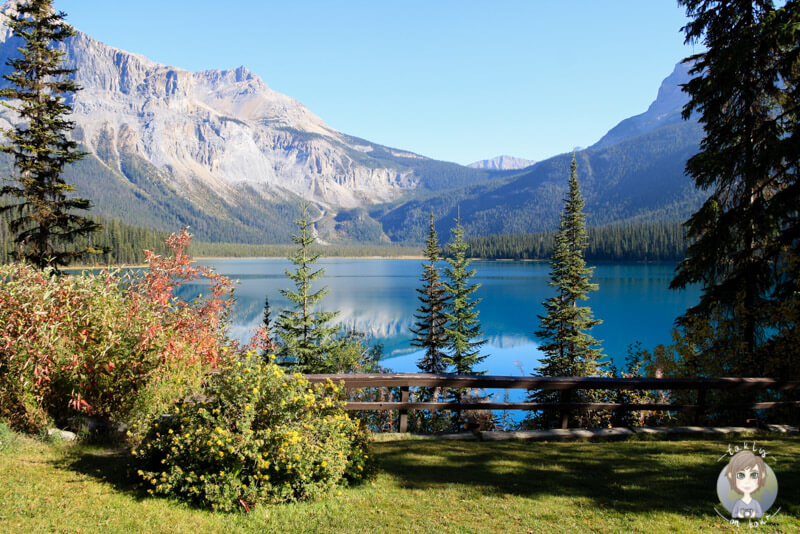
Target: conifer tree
(43, 221)
(429, 331)
(746, 92)
(463, 329)
(306, 338)
(266, 324)
(266, 320)
(569, 349)
(430, 326)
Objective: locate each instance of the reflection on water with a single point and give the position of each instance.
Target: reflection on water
(378, 297)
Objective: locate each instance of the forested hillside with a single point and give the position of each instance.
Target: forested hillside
(650, 241)
(639, 179)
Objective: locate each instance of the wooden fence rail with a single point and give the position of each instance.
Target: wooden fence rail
(563, 384)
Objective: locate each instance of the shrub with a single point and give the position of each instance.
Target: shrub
(255, 434)
(104, 345)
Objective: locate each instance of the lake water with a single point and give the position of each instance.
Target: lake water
(378, 297)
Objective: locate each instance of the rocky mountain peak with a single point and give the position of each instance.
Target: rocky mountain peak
(665, 109)
(502, 163)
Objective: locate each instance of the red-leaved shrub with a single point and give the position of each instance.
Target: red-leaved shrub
(107, 345)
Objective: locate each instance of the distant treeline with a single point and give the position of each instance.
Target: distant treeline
(620, 242)
(127, 244)
(649, 241)
(239, 250)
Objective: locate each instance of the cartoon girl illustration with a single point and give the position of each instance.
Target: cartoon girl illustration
(746, 473)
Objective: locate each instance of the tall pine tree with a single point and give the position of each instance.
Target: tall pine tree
(43, 221)
(430, 326)
(569, 349)
(743, 238)
(463, 329)
(306, 339)
(429, 331)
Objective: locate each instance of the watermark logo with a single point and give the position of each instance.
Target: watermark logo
(747, 486)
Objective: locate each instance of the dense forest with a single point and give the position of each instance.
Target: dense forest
(126, 243)
(650, 241)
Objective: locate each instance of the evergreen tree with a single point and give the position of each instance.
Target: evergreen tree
(266, 323)
(463, 329)
(43, 221)
(745, 90)
(306, 340)
(430, 326)
(429, 331)
(266, 319)
(569, 349)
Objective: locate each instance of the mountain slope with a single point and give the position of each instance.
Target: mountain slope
(219, 150)
(223, 153)
(665, 110)
(635, 172)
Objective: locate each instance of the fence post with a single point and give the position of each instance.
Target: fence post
(699, 414)
(565, 397)
(403, 412)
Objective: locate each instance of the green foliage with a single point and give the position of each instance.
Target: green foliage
(429, 328)
(429, 333)
(241, 250)
(642, 241)
(463, 329)
(305, 338)
(43, 215)
(641, 363)
(745, 88)
(568, 348)
(254, 435)
(353, 354)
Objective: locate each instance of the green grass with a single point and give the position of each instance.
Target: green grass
(423, 485)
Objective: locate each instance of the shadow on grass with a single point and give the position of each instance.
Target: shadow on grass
(112, 467)
(629, 477)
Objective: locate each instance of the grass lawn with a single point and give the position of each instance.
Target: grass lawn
(423, 486)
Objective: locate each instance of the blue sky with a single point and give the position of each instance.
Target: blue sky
(453, 80)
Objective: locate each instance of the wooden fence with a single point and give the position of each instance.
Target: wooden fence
(563, 384)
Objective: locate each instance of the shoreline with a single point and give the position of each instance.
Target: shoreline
(406, 257)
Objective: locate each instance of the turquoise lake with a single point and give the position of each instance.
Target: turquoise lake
(378, 297)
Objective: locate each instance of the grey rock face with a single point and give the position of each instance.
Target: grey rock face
(216, 130)
(502, 163)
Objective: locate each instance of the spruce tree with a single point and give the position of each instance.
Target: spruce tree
(306, 338)
(745, 90)
(266, 323)
(569, 349)
(429, 331)
(43, 221)
(463, 328)
(430, 326)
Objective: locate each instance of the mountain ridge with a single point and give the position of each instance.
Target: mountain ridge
(222, 152)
